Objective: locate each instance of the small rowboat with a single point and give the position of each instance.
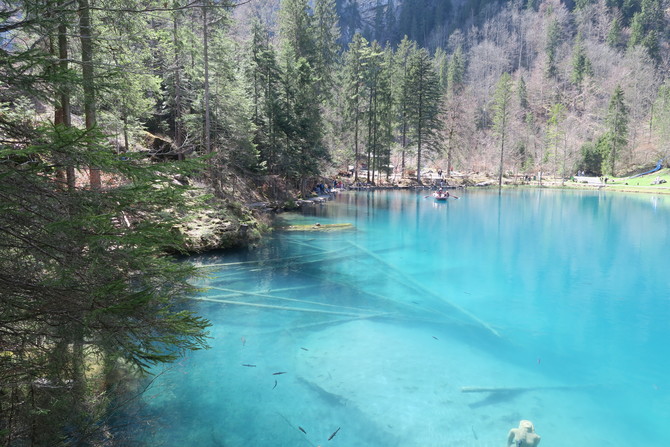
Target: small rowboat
(440, 197)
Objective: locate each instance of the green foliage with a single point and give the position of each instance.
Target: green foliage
(591, 154)
(555, 131)
(402, 93)
(326, 35)
(441, 67)
(353, 91)
(423, 106)
(661, 119)
(614, 38)
(502, 104)
(581, 4)
(522, 93)
(581, 65)
(456, 72)
(263, 81)
(524, 157)
(296, 31)
(86, 268)
(553, 41)
(83, 271)
(617, 134)
(377, 78)
(647, 26)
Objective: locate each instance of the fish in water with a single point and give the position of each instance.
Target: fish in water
(279, 373)
(275, 385)
(243, 340)
(248, 365)
(302, 429)
(435, 337)
(304, 349)
(334, 433)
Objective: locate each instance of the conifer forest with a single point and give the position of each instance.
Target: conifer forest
(113, 111)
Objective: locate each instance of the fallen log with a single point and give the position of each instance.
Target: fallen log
(481, 389)
(318, 227)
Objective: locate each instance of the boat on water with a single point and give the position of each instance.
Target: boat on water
(441, 196)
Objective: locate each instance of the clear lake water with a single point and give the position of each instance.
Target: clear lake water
(433, 324)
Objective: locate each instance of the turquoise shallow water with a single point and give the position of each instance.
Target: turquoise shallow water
(557, 300)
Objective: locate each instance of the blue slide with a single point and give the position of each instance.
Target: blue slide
(657, 168)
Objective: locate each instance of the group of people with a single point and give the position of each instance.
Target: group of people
(441, 194)
(325, 188)
(322, 188)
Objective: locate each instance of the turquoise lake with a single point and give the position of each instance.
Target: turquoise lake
(433, 324)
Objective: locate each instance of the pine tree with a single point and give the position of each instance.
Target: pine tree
(424, 94)
(354, 87)
(646, 27)
(296, 31)
(555, 132)
(553, 41)
(456, 72)
(386, 112)
(581, 65)
(502, 113)
(614, 33)
(661, 117)
(263, 75)
(522, 93)
(402, 94)
(326, 35)
(454, 106)
(88, 78)
(441, 68)
(301, 113)
(617, 129)
(83, 271)
(377, 76)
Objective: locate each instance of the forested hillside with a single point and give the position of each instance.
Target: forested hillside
(110, 110)
(586, 90)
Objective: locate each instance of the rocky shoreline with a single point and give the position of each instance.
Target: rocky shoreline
(226, 224)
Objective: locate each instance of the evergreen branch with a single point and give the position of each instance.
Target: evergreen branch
(192, 5)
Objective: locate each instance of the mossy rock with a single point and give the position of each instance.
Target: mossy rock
(318, 227)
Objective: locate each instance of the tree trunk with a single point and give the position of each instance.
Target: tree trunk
(205, 31)
(404, 145)
(62, 112)
(356, 148)
(449, 150)
(126, 141)
(502, 153)
(178, 131)
(419, 129)
(88, 78)
(370, 113)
